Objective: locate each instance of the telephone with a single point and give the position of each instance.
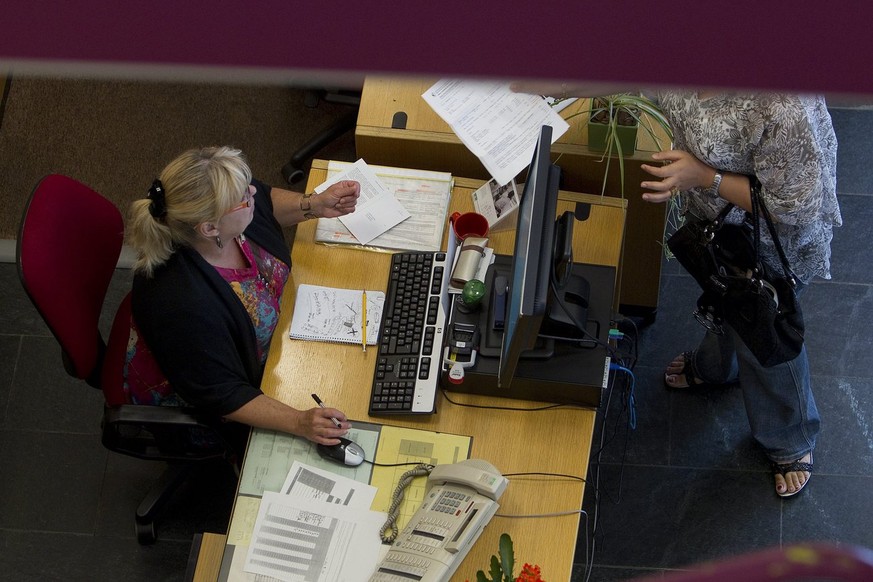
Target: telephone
(460, 500)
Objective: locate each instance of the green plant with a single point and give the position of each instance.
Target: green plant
(502, 568)
(629, 108)
(622, 109)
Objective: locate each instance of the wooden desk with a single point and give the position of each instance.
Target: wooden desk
(209, 557)
(555, 441)
(427, 142)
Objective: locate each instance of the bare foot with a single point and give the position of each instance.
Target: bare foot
(793, 481)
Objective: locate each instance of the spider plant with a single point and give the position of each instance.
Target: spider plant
(616, 110)
(623, 109)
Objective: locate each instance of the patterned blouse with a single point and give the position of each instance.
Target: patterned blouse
(258, 286)
(788, 142)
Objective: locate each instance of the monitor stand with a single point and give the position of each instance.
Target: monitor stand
(566, 372)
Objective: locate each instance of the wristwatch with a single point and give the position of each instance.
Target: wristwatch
(716, 182)
(307, 209)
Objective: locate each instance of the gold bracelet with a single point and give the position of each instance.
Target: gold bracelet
(307, 210)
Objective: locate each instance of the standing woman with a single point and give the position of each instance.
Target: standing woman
(212, 264)
(788, 143)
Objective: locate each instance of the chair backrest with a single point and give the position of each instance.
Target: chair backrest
(68, 247)
(112, 372)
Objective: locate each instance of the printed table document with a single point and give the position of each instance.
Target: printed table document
(319, 528)
(499, 126)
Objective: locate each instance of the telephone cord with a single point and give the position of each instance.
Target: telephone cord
(388, 532)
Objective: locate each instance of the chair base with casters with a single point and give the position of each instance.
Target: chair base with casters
(67, 250)
(294, 170)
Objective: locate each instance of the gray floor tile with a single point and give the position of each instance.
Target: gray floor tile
(41, 556)
(46, 398)
(678, 517)
(51, 481)
(17, 314)
(10, 345)
(848, 265)
(854, 156)
(832, 508)
(845, 446)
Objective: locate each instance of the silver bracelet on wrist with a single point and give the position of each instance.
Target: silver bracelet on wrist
(716, 182)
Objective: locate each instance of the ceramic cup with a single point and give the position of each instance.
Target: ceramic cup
(469, 224)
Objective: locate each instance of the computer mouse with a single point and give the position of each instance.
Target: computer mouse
(347, 452)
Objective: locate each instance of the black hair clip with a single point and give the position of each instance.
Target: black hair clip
(158, 206)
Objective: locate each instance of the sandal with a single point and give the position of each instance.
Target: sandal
(688, 370)
(797, 466)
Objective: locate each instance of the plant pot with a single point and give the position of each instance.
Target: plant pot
(626, 135)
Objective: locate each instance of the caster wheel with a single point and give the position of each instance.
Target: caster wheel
(145, 533)
(292, 173)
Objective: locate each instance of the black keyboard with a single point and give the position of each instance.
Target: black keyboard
(410, 335)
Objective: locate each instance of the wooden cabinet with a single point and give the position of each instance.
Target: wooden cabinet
(397, 127)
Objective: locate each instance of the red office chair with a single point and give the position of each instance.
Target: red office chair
(68, 246)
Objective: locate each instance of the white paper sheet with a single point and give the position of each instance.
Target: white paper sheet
(311, 482)
(423, 193)
(305, 539)
(499, 126)
(377, 209)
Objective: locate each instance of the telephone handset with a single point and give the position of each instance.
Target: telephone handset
(461, 499)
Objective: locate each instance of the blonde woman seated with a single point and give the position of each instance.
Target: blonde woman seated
(212, 265)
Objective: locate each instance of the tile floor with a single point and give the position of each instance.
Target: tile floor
(691, 486)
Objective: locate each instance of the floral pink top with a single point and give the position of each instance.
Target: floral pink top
(258, 286)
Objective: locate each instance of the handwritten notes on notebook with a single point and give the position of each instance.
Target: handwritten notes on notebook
(329, 314)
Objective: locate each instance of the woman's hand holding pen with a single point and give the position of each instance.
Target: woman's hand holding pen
(338, 200)
(681, 171)
(317, 425)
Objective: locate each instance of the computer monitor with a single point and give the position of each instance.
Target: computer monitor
(532, 259)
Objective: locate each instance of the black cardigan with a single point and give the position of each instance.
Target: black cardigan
(197, 328)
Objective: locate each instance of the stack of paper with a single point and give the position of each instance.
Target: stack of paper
(423, 194)
(319, 528)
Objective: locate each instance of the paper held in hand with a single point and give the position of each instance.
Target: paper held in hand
(498, 126)
(377, 209)
(423, 193)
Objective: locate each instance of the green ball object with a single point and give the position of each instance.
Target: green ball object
(473, 292)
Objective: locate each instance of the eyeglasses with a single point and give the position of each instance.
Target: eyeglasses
(248, 198)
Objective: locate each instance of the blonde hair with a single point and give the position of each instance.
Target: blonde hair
(200, 185)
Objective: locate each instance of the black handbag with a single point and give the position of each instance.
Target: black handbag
(758, 302)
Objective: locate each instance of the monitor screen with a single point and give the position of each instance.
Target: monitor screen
(531, 260)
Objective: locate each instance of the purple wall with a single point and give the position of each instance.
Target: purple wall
(796, 46)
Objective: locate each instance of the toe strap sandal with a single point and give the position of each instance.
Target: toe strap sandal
(797, 466)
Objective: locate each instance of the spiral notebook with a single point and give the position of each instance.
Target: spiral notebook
(329, 314)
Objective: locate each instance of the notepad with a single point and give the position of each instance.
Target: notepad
(329, 314)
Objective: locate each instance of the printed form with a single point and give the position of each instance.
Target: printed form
(499, 126)
(377, 210)
(319, 528)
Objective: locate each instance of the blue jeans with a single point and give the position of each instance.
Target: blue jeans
(778, 400)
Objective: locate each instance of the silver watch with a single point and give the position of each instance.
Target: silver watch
(716, 182)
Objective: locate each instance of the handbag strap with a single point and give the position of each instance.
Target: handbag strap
(759, 208)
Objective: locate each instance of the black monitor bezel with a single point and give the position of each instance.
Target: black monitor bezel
(532, 259)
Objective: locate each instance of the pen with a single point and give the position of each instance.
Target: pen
(364, 320)
(321, 404)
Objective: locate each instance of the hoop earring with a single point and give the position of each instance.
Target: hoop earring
(218, 242)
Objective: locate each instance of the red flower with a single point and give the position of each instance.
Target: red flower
(530, 574)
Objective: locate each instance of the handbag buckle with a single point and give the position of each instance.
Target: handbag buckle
(707, 318)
